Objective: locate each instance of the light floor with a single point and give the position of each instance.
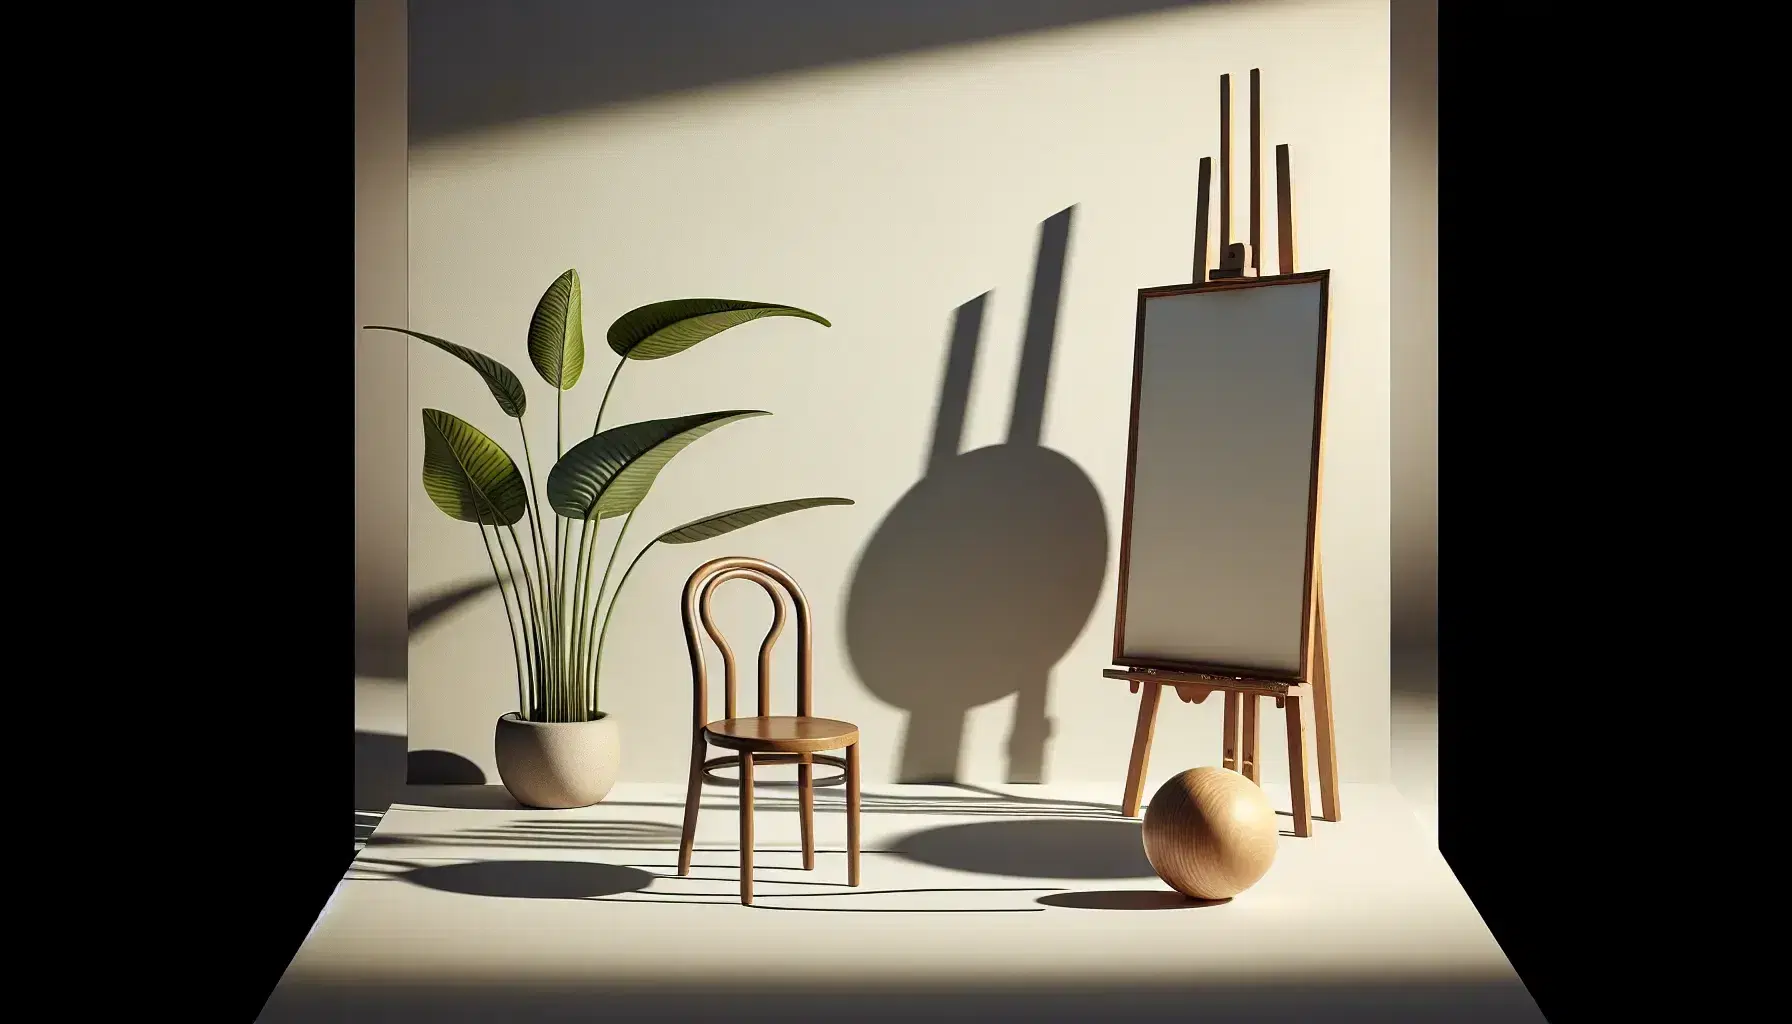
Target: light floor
(380, 725)
(1413, 730)
(1414, 751)
(463, 907)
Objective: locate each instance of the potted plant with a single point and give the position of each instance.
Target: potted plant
(559, 749)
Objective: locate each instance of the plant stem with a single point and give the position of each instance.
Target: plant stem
(545, 567)
(558, 589)
(563, 672)
(539, 545)
(559, 450)
(522, 608)
(552, 631)
(582, 586)
(516, 646)
(597, 659)
(597, 425)
(529, 585)
(604, 584)
(543, 613)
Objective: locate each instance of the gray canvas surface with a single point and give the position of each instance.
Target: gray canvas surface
(1217, 565)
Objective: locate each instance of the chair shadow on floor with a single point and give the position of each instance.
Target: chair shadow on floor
(1045, 832)
(976, 800)
(1019, 838)
(627, 883)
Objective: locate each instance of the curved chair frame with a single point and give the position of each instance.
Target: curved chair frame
(699, 590)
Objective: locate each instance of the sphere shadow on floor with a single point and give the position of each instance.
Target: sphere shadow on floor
(1126, 899)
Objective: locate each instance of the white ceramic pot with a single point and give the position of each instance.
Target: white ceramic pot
(558, 764)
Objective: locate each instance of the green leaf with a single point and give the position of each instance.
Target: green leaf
(734, 519)
(557, 333)
(468, 475)
(662, 329)
(608, 474)
(506, 387)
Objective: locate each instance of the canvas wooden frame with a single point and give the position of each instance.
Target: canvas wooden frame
(1311, 600)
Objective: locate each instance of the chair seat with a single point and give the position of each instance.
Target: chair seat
(783, 733)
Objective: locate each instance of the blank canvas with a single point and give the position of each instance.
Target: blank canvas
(1221, 490)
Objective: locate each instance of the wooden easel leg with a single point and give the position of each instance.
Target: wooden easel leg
(1297, 764)
(1141, 748)
(1322, 711)
(1252, 734)
(1229, 757)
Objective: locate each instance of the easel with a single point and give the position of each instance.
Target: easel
(1301, 701)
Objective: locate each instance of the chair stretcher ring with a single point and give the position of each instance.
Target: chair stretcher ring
(733, 761)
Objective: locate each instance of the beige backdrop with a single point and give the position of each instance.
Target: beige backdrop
(887, 195)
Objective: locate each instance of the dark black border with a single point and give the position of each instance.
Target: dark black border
(1542, 668)
(230, 164)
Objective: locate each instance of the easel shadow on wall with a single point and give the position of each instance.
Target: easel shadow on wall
(985, 572)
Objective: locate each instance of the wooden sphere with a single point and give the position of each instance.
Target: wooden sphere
(1210, 833)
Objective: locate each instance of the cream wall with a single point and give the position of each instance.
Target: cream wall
(885, 195)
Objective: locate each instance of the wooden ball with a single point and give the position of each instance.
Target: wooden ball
(1210, 833)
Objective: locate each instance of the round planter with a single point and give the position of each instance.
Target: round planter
(558, 764)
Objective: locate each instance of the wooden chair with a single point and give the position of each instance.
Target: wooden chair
(763, 739)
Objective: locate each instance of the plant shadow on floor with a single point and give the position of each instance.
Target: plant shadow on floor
(387, 773)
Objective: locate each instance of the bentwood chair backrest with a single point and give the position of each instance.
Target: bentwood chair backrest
(777, 584)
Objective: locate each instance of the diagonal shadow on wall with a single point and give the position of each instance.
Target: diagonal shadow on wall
(423, 614)
(477, 64)
(982, 576)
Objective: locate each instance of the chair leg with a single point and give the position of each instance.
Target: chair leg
(805, 784)
(1141, 749)
(746, 828)
(1297, 765)
(693, 797)
(852, 815)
